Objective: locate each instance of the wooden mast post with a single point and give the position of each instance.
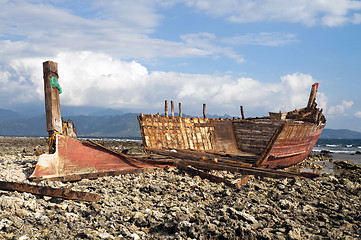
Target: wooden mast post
(172, 108)
(204, 110)
(166, 108)
(242, 113)
(54, 122)
(52, 100)
(180, 109)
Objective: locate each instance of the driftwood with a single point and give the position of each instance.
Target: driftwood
(65, 193)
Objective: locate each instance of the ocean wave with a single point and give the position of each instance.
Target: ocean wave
(332, 145)
(318, 150)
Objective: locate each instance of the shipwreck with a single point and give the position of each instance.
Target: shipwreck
(277, 141)
(249, 146)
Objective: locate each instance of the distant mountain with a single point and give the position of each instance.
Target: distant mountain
(6, 115)
(340, 134)
(106, 123)
(125, 125)
(106, 112)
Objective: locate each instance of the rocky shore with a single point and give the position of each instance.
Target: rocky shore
(171, 204)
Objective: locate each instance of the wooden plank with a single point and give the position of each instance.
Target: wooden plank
(78, 177)
(312, 98)
(65, 193)
(262, 172)
(213, 178)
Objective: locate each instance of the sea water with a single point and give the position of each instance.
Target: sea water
(341, 149)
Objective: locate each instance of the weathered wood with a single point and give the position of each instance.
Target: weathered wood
(204, 110)
(65, 193)
(213, 178)
(180, 110)
(166, 108)
(262, 172)
(211, 162)
(242, 113)
(312, 98)
(269, 146)
(52, 100)
(69, 129)
(239, 182)
(204, 157)
(234, 136)
(78, 177)
(254, 135)
(172, 108)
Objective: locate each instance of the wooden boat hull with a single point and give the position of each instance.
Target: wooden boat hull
(291, 145)
(74, 160)
(273, 143)
(279, 140)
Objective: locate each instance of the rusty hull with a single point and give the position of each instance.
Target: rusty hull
(74, 160)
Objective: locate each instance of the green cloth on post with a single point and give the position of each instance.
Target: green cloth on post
(55, 84)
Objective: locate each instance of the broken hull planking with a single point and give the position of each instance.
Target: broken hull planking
(75, 158)
(292, 145)
(277, 142)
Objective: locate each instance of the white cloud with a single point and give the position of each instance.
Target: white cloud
(208, 42)
(273, 39)
(35, 28)
(356, 18)
(358, 114)
(316, 12)
(340, 109)
(94, 79)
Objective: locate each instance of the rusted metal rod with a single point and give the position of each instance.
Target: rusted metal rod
(65, 193)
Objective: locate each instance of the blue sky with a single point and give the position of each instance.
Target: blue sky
(134, 54)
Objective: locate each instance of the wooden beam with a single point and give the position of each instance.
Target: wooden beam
(52, 100)
(262, 172)
(242, 113)
(204, 110)
(69, 129)
(312, 98)
(213, 178)
(180, 110)
(207, 162)
(166, 108)
(65, 193)
(78, 177)
(172, 108)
